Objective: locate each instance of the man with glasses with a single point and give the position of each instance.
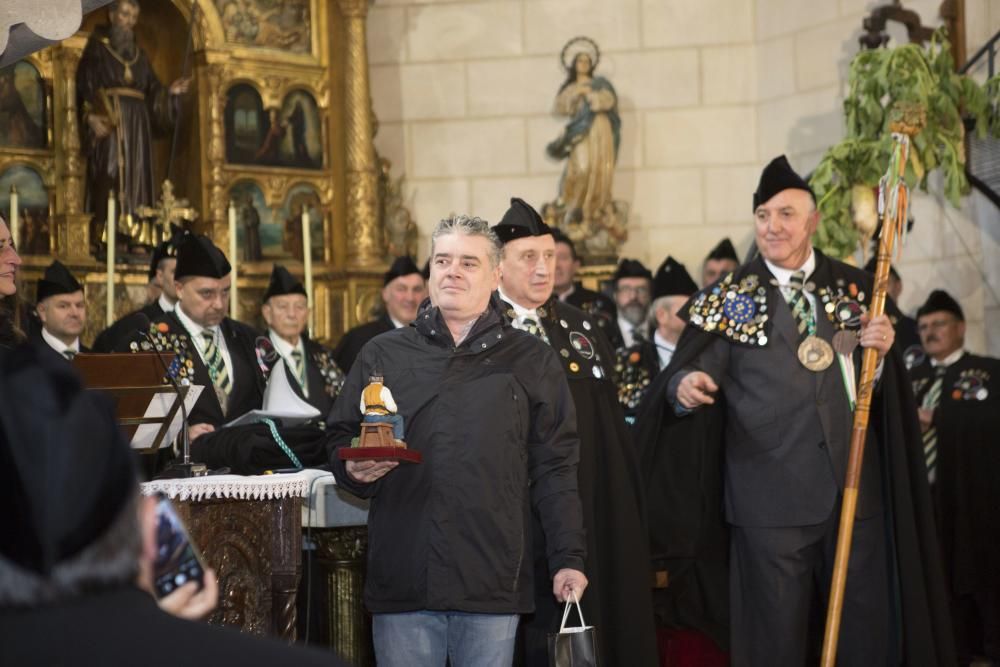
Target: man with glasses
(958, 394)
(315, 376)
(632, 282)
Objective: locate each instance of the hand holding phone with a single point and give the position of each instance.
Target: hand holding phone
(177, 562)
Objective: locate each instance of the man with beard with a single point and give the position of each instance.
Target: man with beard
(720, 261)
(402, 291)
(631, 281)
(570, 291)
(62, 311)
(636, 366)
(959, 398)
(752, 421)
(618, 600)
(120, 101)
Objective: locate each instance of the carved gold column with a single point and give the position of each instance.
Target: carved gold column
(364, 236)
(216, 156)
(71, 237)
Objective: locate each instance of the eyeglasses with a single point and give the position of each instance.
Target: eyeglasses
(637, 291)
(935, 325)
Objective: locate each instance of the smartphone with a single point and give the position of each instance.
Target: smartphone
(177, 561)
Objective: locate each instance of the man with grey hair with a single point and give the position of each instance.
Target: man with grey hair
(488, 408)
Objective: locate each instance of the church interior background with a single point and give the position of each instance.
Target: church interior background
(390, 115)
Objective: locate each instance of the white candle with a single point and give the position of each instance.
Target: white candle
(112, 234)
(233, 299)
(307, 263)
(14, 232)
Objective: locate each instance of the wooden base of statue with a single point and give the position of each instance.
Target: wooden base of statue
(376, 443)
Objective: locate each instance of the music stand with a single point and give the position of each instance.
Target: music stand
(135, 382)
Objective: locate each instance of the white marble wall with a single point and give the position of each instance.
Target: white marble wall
(708, 92)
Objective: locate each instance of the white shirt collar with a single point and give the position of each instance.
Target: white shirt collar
(283, 347)
(565, 295)
(58, 345)
(949, 360)
(519, 311)
(165, 304)
(193, 327)
(662, 342)
(396, 323)
(784, 276)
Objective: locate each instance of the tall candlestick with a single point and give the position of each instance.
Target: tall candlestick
(307, 263)
(112, 233)
(233, 298)
(14, 232)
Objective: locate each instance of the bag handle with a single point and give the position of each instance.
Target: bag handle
(576, 601)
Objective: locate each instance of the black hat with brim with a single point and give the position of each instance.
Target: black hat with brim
(66, 472)
(401, 266)
(198, 256)
(521, 220)
(941, 301)
(672, 279)
(724, 250)
(166, 249)
(631, 268)
(778, 176)
(57, 280)
(282, 282)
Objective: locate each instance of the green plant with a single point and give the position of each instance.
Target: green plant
(883, 84)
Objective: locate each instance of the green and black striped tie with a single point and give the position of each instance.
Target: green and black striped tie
(931, 401)
(799, 303)
(216, 364)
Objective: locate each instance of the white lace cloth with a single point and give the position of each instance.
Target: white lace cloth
(256, 487)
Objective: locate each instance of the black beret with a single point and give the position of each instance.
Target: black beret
(401, 266)
(631, 268)
(778, 176)
(198, 256)
(724, 250)
(57, 280)
(520, 220)
(282, 282)
(870, 267)
(166, 249)
(426, 271)
(672, 279)
(66, 471)
(939, 301)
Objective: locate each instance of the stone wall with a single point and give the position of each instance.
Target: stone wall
(708, 92)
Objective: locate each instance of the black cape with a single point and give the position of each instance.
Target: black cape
(617, 601)
(966, 490)
(122, 331)
(352, 342)
(682, 460)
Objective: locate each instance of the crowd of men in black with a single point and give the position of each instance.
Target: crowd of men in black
(664, 448)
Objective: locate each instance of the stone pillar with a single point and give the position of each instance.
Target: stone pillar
(365, 244)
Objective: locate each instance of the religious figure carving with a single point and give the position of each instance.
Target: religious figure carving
(589, 143)
(121, 103)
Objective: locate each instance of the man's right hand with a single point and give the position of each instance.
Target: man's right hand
(198, 430)
(99, 125)
(926, 417)
(696, 389)
(370, 471)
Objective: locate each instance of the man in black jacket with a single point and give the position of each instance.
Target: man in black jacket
(618, 602)
(62, 312)
(959, 398)
(76, 565)
(402, 291)
(450, 539)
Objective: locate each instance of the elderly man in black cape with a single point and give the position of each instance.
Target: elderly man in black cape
(618, 598)
(959, 397)
(744, 441)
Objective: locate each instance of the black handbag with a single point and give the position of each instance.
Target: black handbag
(573, 647)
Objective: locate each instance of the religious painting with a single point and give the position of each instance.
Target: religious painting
(301, 198)
(32, 208)
(253, 222)
(302, 144)
(22, 107)
(245, 124)
(274, 24)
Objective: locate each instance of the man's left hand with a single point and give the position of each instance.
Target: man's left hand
(567, 581)
(878, 333)
(180, 86)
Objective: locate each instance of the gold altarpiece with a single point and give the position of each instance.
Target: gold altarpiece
(320, 57)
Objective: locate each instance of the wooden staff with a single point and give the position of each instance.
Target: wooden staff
(893, 196)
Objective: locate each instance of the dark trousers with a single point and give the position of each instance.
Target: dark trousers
(780, 585)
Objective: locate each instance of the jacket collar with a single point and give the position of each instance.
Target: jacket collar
(486, 331)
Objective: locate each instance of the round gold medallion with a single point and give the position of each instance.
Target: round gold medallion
(815, 354)
(844, 341)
